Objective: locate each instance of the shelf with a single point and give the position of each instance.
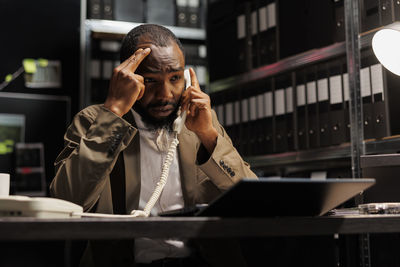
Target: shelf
(288, 64)
(117, 29)
(382, 146)
(382, 160)
(296, 157)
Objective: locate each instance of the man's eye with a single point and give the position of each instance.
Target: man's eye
(149, 80)
(175, 78)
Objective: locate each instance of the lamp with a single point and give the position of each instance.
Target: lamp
(386, 46)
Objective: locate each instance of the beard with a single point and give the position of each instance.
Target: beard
(157, 123)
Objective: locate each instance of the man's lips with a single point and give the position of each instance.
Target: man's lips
(162, 111)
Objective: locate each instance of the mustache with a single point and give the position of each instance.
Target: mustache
(162, 104)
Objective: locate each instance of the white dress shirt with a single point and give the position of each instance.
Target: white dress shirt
(154, 146)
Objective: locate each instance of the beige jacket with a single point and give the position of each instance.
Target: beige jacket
(97, 137)
(99, 169)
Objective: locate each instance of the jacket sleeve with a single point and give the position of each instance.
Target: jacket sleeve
(224, 166)
(92, 144)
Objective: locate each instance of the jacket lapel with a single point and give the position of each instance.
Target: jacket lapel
(132, 168)
(188, 145)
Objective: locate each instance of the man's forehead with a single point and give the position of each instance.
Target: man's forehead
(161, 58)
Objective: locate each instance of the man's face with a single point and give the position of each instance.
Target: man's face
(162, 71)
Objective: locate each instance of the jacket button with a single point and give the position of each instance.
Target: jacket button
(221, 162)
(229, 170)
(232, 174)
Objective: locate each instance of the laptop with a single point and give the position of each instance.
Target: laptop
(273, 197)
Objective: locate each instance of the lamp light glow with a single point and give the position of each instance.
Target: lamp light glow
(386, 46)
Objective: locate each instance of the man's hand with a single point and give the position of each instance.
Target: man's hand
(125, 86)
(199, 118)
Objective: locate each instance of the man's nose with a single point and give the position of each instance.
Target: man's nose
(165, 91)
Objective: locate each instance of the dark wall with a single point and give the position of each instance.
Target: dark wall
(41, 29)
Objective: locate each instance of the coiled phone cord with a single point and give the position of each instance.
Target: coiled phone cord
(160, 185)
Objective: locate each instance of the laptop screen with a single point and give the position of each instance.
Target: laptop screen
(271, 197)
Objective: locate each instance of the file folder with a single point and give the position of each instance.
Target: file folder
(259, 128)
(222, 25)
(245, 130)
(244, 38)
(267, 32)
(338, 26)
(386, 11)
(370, 18)
(94, 9)
(366, 94)
(193, 13)
(160, 12)
(108, 9)
(181, 19)
(323, 105)
(255, 37)
(253, 124)
(281, 83)
(129, 10)
(268, 121)
(337, 125)
(380, 122)
(302, 112)
(290, 118)
(346, 92)
(312, 104)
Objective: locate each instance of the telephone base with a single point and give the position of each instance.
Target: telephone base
(38, 207)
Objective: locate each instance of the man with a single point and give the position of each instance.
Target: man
(114, 152)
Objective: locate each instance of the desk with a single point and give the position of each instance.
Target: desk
(18, 229)
(301, 235)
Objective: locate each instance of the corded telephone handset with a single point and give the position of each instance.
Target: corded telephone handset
(45, 207)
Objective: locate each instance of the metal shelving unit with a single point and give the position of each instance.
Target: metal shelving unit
(120, 28)
(342, 151)
(387, 145)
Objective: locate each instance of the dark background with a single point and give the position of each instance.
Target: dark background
(41, 29)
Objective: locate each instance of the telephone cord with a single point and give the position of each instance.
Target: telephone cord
(160, 185)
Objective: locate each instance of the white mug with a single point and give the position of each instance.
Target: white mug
(4, 184)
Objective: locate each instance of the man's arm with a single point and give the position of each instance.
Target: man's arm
(92, 145)
(216, 157)
(224, 166)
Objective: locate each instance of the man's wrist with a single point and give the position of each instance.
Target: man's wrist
(209, 139)
(117, 111)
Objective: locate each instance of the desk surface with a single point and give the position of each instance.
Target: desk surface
(192, 227)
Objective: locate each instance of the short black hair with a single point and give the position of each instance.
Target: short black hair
(161, 36)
